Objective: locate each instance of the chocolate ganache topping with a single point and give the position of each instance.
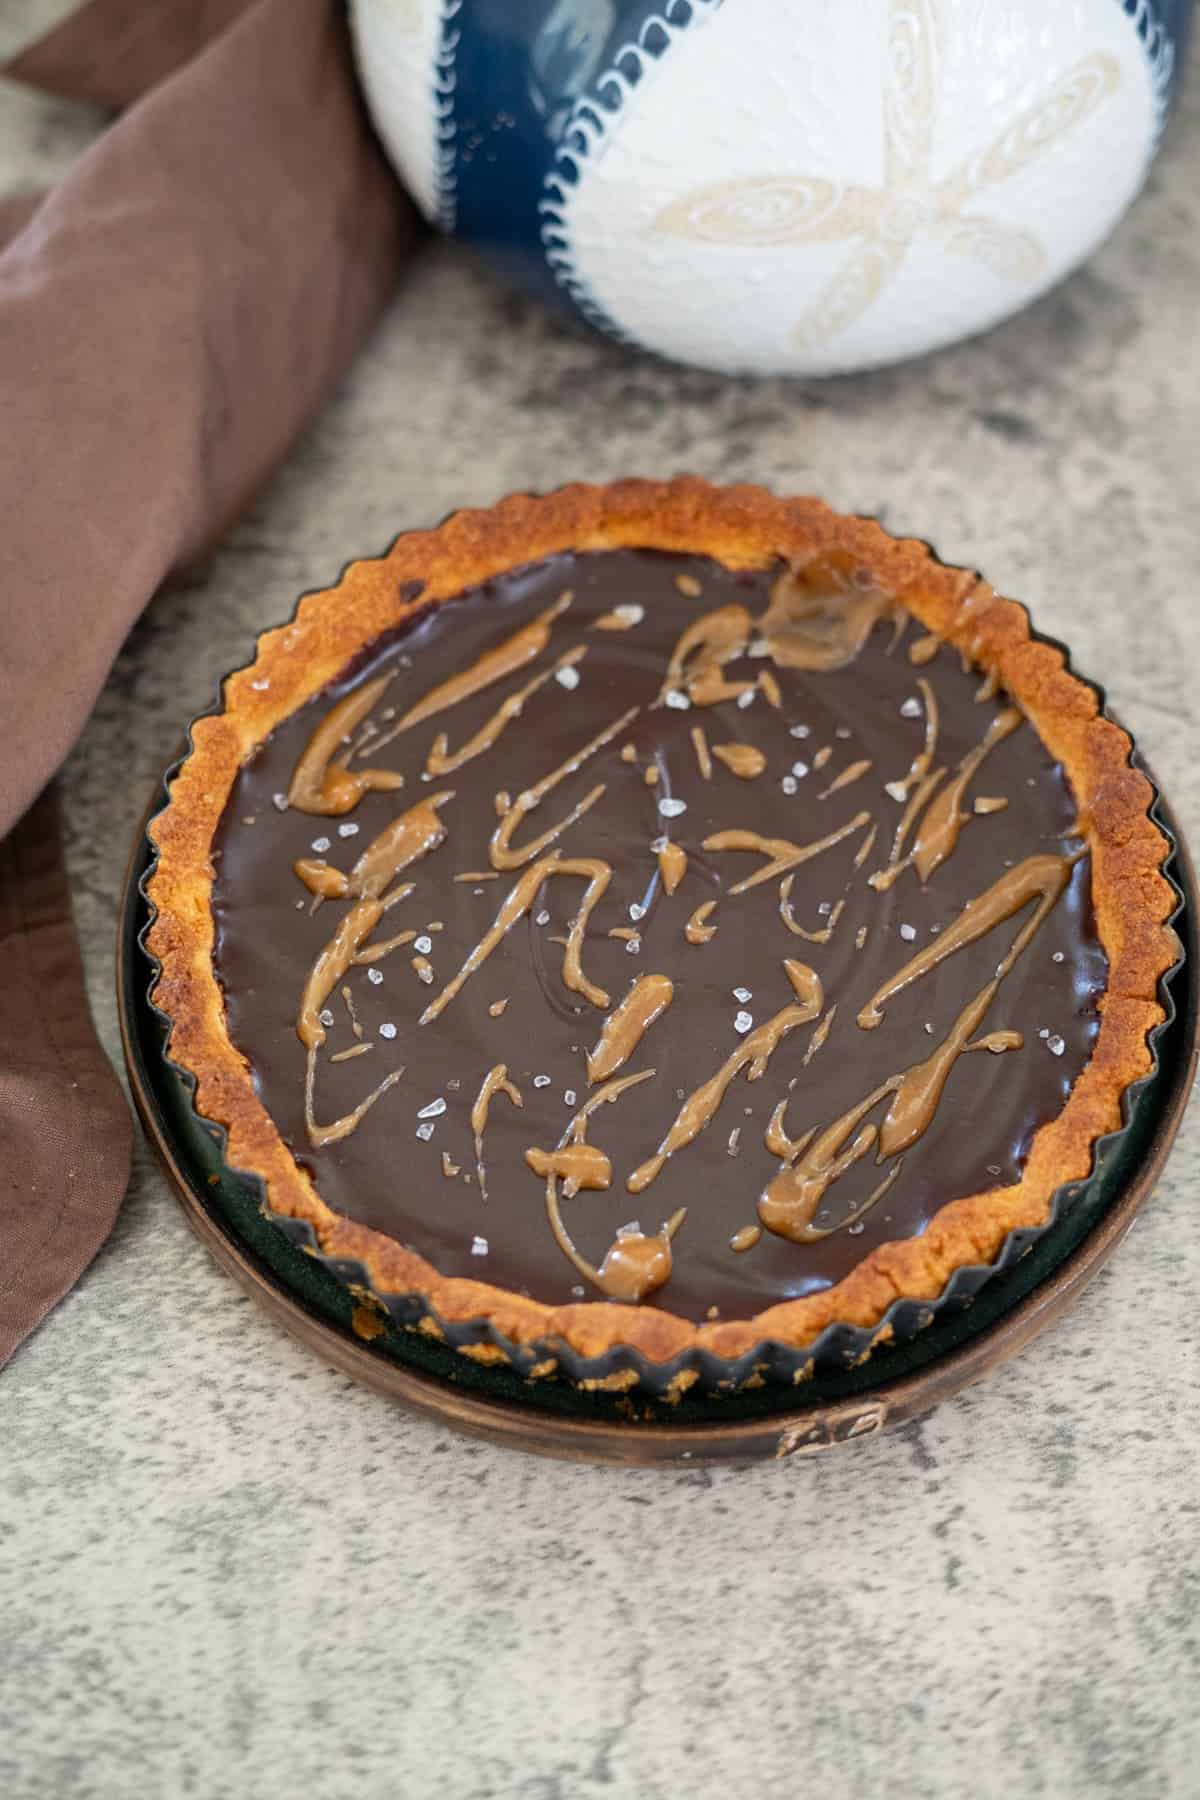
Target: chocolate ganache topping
(633, 927)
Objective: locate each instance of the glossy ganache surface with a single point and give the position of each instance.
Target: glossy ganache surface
(817, 877)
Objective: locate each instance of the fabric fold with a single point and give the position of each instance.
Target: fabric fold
(171, 315)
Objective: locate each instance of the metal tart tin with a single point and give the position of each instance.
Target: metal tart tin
(844, 1361)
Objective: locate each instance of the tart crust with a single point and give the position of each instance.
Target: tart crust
(744, 527)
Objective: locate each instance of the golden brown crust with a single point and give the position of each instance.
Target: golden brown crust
(740, 526)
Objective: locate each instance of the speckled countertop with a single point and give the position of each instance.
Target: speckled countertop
(226, 1571)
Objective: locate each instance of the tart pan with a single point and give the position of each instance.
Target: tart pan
(823, 1393)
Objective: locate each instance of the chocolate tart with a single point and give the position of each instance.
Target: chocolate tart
(648, 934)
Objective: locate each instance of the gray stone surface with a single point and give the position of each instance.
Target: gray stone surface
(227, 1571)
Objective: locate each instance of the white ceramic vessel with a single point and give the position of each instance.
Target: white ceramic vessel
(791, 186)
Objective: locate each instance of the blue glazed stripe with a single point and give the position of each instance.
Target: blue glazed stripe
(532, 83)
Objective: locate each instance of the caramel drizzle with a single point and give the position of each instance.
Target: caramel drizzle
(789, 918)
(625, 1028)
(848, 776)
(635, 1264)
(329, 967)
(520, 898)
(782, 853)
(696, 931)
(922, 762)
(711, 641)
(821, 1034)
(672, 866)
(494, 1082)
(746, 1238)
(753, 1055)
(944, 819)
(819, 616)
(321, 1135)
(703, 755)
(923, 649)
(321, 785)
(743, 760)
(494, 665)
(1041, 877)
(822, 757)
(770, 688)
(408, 838)
(500, 850)
(442, 761)
(789, 1203)
(576, 1165)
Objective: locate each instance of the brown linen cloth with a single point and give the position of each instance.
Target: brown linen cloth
(170, 316)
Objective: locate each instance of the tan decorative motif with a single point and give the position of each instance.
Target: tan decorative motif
(881, 223)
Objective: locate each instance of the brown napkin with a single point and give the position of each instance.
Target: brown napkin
(170, 316)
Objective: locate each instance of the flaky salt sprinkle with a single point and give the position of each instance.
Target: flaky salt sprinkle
(1055, 1045)
(325, 1016)
(743, 1023)
(746, 699)
(789, 784)
(387, 1029)
(434, 1110)
(799, 770)
(542, 918)
(911, 708)
(630, 612)
(908, 933)
(541, 1081)
(567, 676)
(423, 945)
(895, 790)
(742, 993)
(425, 1132)
(569, 1097)
(320, 845)
(374, 976)
(670, 808)
(800, 731)
(677, 699)
(479, 1247)
(348, 829)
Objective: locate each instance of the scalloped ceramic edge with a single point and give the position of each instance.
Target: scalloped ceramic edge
(839, 1346)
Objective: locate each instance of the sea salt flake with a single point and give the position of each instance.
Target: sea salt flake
(630, 612)
(842, 731)
(677, 700)
(425, 1132)
(567, 677)
(658, 845)
(349, 829)
(541, 1081)
(633, 1229)
(434, 1110)
(895, 790)
(911, 708)
(929, 1027)
(387, 1029)
(542, 918)
(423, 945)
(1058, 956)
(479, 1247)
(374, 976)
(799, 770)
(824, 909)
(1055, 1045)
(800, 731)
(632, 946)
(742, 993)
(670, 808)
(857, 1229)
(569, 1097)
(636, 912)
(1044, 1032)
(789, 784)
(325, 1016)
(908, 933)
(746, 699)
(743, 1022)
(578, 1293)
(320, 845)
